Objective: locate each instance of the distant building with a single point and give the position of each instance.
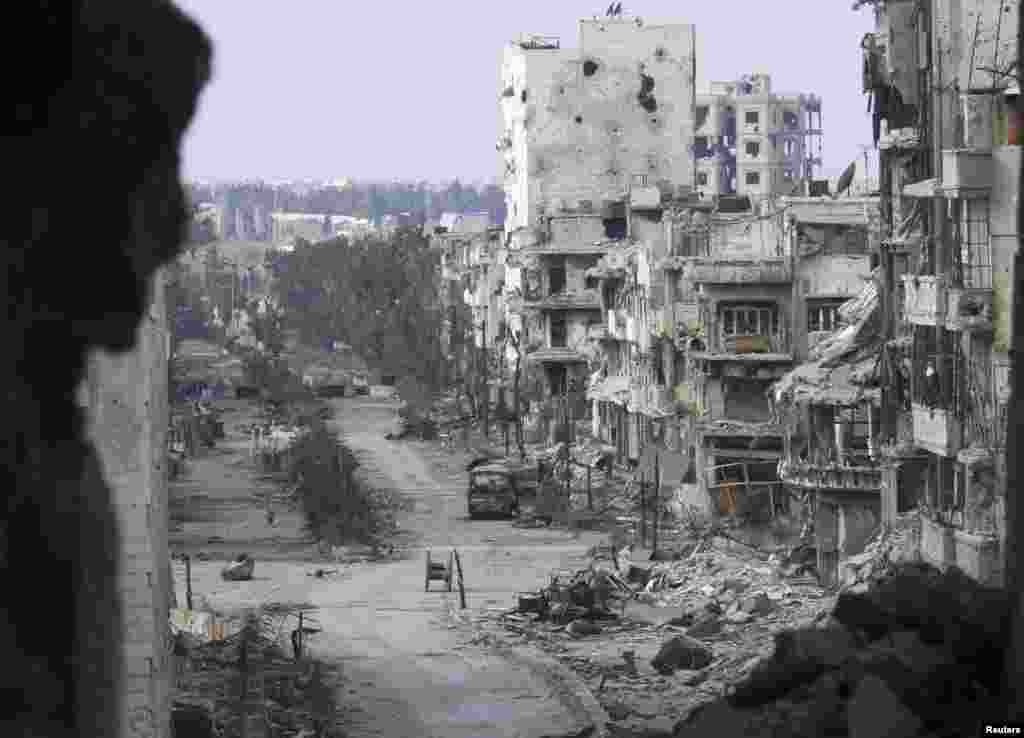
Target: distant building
(752, 142)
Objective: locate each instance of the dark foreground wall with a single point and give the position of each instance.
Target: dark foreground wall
(94, 207)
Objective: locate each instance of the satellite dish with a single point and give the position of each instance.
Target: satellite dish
(846, 179)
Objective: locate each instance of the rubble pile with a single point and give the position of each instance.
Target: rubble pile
(656, 639)
(919, 653)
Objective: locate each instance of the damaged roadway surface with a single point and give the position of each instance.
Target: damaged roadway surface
(407, 670)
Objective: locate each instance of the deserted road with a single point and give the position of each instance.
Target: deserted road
(404, 669)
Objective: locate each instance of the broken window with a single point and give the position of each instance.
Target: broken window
(937, 367)
(615, 228)
(823, 315)
(556, 275)
(753, 178)
(790, 119)
(751, 117)
(753, 148)
(700, 147)
(701, 115)
(702, 178)
(758, 321)
(972, 255)
(559, 331)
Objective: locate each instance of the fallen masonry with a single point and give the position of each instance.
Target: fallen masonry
(721, 642)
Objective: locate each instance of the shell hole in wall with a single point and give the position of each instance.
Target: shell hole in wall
(578, 119)
(590, 68)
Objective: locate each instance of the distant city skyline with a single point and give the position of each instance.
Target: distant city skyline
(383, 92)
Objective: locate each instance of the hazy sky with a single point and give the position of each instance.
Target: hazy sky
(377, 89)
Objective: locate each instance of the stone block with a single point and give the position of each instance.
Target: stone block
(681, 652)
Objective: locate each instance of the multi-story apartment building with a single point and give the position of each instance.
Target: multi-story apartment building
(752, 142)
(593, 136)
(471, 275)
(933, 431)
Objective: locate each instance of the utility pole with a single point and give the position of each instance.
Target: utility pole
(487, 390)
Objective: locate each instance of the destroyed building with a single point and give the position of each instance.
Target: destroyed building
(949, 163)
(589, 133)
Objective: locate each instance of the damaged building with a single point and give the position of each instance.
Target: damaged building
(949, 164)
(594, 137)
(753, 143)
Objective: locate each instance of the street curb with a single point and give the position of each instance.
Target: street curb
(569, 688)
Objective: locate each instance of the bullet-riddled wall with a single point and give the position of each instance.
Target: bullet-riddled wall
(584, 126)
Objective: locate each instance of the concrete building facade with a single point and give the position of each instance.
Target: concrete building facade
(126, 401)
(752, 142)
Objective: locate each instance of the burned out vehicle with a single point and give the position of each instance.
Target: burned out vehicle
(499, 488)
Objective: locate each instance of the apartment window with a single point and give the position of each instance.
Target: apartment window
(751, 117)
(700, 147)
(750, 320)
(639, 180)
(556, 275)
(973, 257)
(559, 331)
(701, 114)
(937, 368)
(823, 316)
(753, 178)
(790, 119)
(788, 147)
(702, 178)
(753, 148)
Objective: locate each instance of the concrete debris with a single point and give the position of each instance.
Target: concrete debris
(683, 618)
(681, 652)
(240, 569)
(919, 652)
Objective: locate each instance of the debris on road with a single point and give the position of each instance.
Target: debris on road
(656, 639)
(240, 569)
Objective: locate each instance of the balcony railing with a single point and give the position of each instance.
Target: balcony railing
(769, 270)
(567, 300)
(924, 299)
(831, 476)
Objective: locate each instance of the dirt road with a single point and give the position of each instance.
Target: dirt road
(403, 664)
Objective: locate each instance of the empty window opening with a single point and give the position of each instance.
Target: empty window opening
(589, 68)
(823, 316)
(753, 148)
(701, 147)
(790, 119)
(556, 275)
(559, 331)
(753, 178)
(701, 115)
(578, 118)
(789, 147)
(702, 178)
(522, 95)
(615, 228)
(751, 117)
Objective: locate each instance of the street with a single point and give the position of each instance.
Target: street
(404, 670)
